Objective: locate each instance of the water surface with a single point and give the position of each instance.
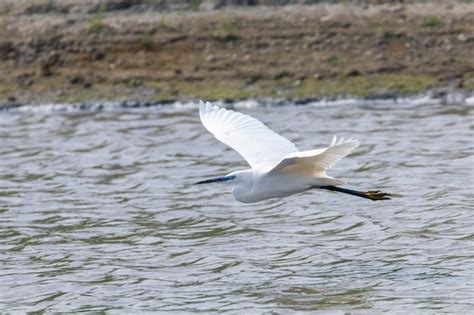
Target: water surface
(97, 213)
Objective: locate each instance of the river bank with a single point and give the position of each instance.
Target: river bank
(288, 52)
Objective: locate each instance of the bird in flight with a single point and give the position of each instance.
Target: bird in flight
(278, 167)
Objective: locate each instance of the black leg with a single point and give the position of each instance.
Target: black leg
(372, 195)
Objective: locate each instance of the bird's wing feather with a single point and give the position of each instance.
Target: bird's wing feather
(316, 162)
(255, 142)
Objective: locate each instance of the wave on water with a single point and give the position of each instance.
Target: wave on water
(447, 98)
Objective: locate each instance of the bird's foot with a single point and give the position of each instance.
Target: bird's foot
(377, 195)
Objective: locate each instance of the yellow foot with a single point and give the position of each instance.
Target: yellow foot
(377, 195)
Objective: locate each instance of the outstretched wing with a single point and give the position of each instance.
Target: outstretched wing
(316, 162)
(257, 144)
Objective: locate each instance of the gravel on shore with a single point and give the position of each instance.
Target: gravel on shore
(285, 52)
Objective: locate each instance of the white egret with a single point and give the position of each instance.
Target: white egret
(278, 168)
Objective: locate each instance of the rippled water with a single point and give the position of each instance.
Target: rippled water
(97, 213)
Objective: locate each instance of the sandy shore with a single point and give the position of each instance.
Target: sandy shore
(286, 52)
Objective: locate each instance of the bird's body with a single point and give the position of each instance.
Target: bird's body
(253, 186)
(256, 185)
(278, 167)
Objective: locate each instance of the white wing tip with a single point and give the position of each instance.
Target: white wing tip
(202, 107)
(354, 143)
(206, 107)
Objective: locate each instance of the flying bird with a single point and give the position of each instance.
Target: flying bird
(278, 167)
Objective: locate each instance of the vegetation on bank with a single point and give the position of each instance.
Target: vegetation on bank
(380, 84)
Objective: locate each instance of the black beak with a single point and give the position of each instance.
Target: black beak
(215, 180)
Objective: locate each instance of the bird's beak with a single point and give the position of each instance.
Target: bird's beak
(217, 179)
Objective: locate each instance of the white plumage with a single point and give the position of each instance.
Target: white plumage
(257, 144)
(278, 168)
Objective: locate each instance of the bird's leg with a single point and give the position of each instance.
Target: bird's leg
(372, 195)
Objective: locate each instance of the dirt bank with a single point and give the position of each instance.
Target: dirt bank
(295, 51)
